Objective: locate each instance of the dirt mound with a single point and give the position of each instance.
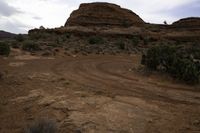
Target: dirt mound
(192, 22)
(103, 14)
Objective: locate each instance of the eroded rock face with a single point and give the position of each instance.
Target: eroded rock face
(192, 22)
(103, 14)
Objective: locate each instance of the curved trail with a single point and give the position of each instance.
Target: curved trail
(112, 77)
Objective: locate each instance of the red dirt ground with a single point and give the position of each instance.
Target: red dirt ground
(95, 93)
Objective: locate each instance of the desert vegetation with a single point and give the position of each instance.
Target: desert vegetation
(95, 40)
(181, 63)
(30, 46)
(4, 49)
(42, 126)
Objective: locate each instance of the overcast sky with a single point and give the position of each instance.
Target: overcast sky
(18, 16)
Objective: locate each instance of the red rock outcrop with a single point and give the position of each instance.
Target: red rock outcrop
(103, 14)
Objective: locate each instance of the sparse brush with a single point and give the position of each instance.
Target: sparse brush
(120, 43)
(30, 46)
(177, 62)
(42, 126)
(4, 49)
(19, 38)
(95, 40)
(135, 40)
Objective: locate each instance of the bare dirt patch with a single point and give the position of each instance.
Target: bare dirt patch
(95, 94)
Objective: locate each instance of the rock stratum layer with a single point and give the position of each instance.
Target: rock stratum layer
(103, 14)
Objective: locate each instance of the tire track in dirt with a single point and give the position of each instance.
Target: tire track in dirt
(110, 76)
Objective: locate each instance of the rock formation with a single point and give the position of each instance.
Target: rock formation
(192, 22)
(103, 14)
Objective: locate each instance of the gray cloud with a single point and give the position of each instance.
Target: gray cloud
(37, 18)
(14, 26)
(7, 10)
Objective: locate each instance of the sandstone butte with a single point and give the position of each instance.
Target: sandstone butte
(103, 14)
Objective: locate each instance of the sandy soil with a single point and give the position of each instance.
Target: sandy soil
(94, 94)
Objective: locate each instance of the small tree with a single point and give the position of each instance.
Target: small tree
(41, 28)
(4, 49)
(152, 59)
(165, 22)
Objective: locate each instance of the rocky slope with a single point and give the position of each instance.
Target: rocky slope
(103, 14)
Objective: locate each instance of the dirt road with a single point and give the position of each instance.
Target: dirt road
(95, 94)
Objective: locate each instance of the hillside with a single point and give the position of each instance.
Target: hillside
(4, 34)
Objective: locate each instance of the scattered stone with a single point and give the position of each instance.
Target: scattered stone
(196, 123)
(17, 64)
(46, 101)
(46, 54)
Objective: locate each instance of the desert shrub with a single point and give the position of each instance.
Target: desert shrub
(58, 40)
(30, 46)
(125, 23)
(67, 35)
(135, 40)
(4, 49)
(152, 58)
(52, 45)
(15, 44)
(194, 51)
(174, 61)
(120, 43)
(95, 40)
(146, 40)
(35, 36)
(42, 126)
(19, 38)
(186, 70)
(40, 35)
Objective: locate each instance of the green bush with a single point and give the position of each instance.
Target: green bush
(152, 58)
(135, 40)
(67, 35)
(4, 49)
(186, 70)
(120, 43)
(19, 38)
(95, 40)
(176, 62)
(30, 46)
